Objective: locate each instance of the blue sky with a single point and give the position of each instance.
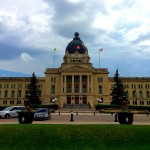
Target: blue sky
(30, 30)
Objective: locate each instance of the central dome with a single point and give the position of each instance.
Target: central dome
(76, 45)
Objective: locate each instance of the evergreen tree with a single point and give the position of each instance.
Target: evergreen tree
(119, 96)
(33, 91)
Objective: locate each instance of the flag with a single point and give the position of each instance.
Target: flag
(101, 49)
(78, 47)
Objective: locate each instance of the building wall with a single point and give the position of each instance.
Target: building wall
(10, 84)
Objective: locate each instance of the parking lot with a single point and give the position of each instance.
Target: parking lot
(83, 118)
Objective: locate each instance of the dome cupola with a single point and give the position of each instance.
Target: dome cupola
(76, 45)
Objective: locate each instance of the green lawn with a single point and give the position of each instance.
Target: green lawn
(74, 137)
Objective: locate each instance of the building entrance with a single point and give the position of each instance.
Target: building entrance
(84, 100)
(76, 100)
(68, 100)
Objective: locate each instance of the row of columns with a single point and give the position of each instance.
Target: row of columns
(64, 83)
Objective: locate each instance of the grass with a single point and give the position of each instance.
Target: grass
(74, 137)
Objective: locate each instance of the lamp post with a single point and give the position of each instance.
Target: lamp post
(99, 101)
(54, 100)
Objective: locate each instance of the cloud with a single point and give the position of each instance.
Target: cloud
(31, 29)
(26, 57)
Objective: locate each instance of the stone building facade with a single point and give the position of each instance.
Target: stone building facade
(76, 81)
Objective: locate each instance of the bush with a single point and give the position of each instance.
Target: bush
(3, 107)
(52, 106)
(101, 106)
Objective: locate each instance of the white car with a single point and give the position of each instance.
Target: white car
(11, 111)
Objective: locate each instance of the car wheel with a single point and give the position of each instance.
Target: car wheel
(7, 116)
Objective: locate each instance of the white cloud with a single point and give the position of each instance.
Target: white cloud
(26, 57)
(120, 26)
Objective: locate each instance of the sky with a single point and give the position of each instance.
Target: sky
(31, 29)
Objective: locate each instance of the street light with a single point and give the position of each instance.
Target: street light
(99, 101)
(54, 100)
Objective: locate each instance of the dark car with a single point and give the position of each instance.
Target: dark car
(42, 114)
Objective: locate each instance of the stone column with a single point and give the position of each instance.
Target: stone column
(91, 84)
(88, 84)
(73, 84)
(62, 84)
(80, 84)
(65, 83)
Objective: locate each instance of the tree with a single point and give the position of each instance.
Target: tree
(33, 91)
(119, 96)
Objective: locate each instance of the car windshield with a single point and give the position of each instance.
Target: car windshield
(41, 110)
(7, 108)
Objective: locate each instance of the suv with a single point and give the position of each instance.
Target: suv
(11, 111)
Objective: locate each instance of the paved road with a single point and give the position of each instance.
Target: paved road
(83, 118)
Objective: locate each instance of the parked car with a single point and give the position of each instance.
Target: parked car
(42, 114)
(11, 111)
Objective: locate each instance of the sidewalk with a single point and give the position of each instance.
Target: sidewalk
(82, 118)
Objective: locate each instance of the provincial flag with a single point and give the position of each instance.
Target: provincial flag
(78, 47)
(101, 49)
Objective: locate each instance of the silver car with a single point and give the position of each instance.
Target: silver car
(42, 114)
(11, 111)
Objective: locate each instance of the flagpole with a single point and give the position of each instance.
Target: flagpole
(100, 50)
(99, 58)
(54, 57)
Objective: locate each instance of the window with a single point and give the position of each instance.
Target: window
(148, 102)
(19, 86)
(11, 102)
(84, 88)
(53, 80)
(100, 89)
(6, 94)
(19, 102)
(53, 89)
(5, 102)
(12, 86)
(6, 86)
(134, 102)
(147, 94)
(140, 94)
(68, 88)
(141, 102)
(12, 93)
(133, 94)
(19, 93)
(126, 86)
(76, 88)
(133, 86)
(140, 86)
(127, 94)
(100, 80)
